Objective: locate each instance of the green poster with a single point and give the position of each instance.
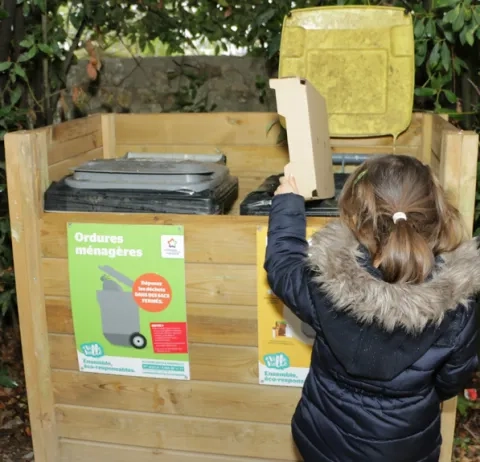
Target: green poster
(127, 285)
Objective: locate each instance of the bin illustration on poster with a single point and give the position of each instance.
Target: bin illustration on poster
(127, 286)
(284, 341)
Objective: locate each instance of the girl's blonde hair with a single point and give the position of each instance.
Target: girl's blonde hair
(384, 185)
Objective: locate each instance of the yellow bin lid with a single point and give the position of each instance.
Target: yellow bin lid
(360, 59)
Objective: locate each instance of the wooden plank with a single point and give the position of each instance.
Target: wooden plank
(81, 451)
(440, 125)
(448, 423)
(468, 178)
(217, 284)
(62, 151)
(24, 152)
(223, 437)
(59, 170)
(257, 160)
(213, 400)
(75, 129)
(451, 165)
(223, 129)
(202, 243)
(211, 128)
(213, 363)
(108, 135)
(426, 152)
(211, 324)
(458, 175)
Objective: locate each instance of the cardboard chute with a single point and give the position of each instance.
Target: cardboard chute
(310, 155)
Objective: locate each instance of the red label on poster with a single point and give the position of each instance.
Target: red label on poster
(169, 337)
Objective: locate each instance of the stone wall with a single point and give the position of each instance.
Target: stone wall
(172, 84)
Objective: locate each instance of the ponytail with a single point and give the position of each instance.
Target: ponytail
(396, 208)
(406, 255)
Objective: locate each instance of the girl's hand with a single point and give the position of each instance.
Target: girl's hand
(287, 185)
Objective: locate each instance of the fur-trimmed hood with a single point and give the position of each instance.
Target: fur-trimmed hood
(336, 257)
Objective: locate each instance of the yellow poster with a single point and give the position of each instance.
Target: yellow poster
(284, 342)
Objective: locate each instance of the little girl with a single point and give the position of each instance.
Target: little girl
(389, 289)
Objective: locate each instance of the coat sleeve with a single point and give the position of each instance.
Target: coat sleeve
(462, 362)
(286, 264)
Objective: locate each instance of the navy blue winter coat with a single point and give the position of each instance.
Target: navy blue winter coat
(385, 355)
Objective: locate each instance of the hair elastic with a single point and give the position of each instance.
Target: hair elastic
(399, 216)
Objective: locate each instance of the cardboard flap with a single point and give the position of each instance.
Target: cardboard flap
(308, 137)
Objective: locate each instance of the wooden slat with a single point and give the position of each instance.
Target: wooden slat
(468, 177)
(212, 128)
(221, 437)
(448, 423)
(81, 451)
(213, 400)
(62, 151)
(203, 244)
(451, 164)
(207, 362)
(108, 135)
(75, 129)
(262, 161)
(439, 126)
(212, 324)
(426, 150)
(60, 169)
(222, 129)
(458, 175)
(24, 163)
(217, 284)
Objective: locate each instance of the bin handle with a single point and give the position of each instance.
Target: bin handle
(114, 273)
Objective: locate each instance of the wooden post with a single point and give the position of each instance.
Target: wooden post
(458, 175)
(108, 135)
(427, 126)
(25, 159)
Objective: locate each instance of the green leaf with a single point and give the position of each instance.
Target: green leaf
(451, 16)
(445, 56)
(419, 29)
(3, 14)
(6, 381)
(15, 96)
(42, 5)
(449, 36)
(431, 29)
(468, 12)
(476, 14)
(459, 20)
(451, 97)
(445, 3)
(18, 70)
(459, 64)
(422, 91)
(223, 3)
(264, 17)
(44, 48)
(463, 36)
(27, 55)
(434, 58)
(5, 65)
(27, 42)
(470, 35)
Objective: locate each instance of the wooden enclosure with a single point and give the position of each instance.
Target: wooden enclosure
(222, 414)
